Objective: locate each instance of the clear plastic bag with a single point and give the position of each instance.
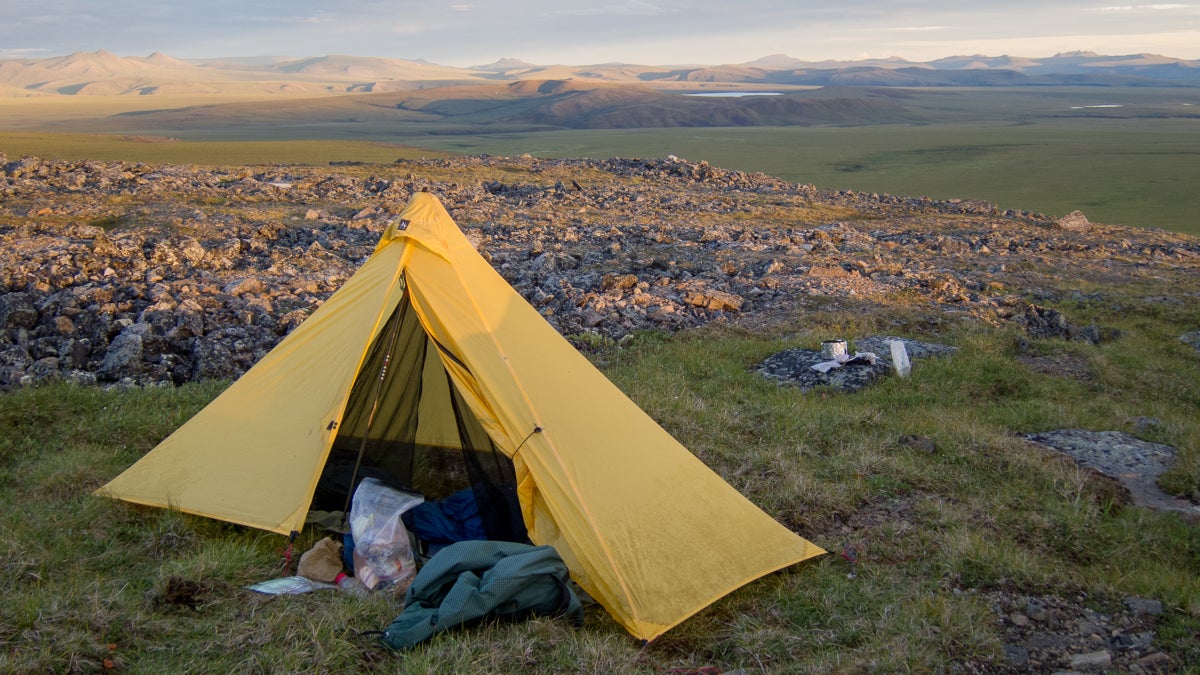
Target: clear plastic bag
(383, 555)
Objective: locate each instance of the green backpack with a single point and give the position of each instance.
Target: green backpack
(471, 580)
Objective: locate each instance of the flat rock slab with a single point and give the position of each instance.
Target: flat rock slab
(1137, 464)
(793, 367)
(1192, 338)
(916, 349)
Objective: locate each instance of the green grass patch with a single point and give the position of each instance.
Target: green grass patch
(88, 579)
(169, 150)
(1123, 172)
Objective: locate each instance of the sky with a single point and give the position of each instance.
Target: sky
(570, 32)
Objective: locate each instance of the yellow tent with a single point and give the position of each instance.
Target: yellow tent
(426, 352)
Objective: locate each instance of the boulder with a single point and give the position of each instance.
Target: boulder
(1074, 221)
(716, 301)
(17, 311)
(124, 355)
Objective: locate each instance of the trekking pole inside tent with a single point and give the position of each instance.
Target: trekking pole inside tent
(394, 333)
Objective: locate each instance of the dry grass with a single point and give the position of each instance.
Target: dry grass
(87, 579)
(934, 525)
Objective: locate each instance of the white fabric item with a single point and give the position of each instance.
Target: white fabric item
(845, 359)
(900, 361)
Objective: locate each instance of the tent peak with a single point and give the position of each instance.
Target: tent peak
(424, 221)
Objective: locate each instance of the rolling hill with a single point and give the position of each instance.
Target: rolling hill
(102, 73)
(525, 105)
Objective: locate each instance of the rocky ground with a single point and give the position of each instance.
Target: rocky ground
(1077, 634)
(123, 274)
(143, 274)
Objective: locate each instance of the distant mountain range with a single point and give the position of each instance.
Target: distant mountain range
(104, 73)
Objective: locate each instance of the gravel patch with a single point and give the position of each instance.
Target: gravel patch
(1055, 634)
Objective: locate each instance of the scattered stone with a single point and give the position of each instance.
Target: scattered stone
(1070, 633)
(1091, 661)
(1192, 338)
(1035, 608)
(922, 443)
(14, 361)
(1144, 605)
(1045, 323)
(1143, 425)
(717, 301)
(1016, 656)
(17, 311)
(1074, 221)
(251, 286)
(1154, 660)
(1139, 641)
(124, 355)
(590, 318)
(623, 282)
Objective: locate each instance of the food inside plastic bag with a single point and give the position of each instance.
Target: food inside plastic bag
(383, 555)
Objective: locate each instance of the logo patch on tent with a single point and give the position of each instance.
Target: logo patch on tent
(402, 224)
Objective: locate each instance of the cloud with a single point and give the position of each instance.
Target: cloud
(1120, 9)
(55, 20)
(1171, 43)
(594, 31)
(409, 28)
(627, 8)
(24, 53)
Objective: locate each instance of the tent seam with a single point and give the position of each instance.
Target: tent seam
(551, 444)
(553, 447)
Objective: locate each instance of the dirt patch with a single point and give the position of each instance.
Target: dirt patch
(1066, 365)
(180, 592)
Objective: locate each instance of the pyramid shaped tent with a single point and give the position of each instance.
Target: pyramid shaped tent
(427, 346)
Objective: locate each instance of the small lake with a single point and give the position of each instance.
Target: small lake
(735, 94)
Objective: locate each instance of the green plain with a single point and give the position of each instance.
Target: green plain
(1120, 172)
(1122, 155)
(105, 147)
